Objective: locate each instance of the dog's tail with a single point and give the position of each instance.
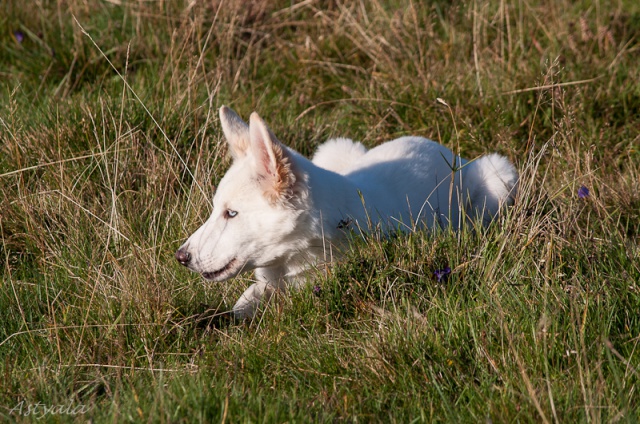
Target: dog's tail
(338, 155)
(491, 182)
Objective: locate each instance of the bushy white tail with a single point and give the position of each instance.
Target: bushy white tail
(491, 182)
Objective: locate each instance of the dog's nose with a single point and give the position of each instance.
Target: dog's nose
(183, 256)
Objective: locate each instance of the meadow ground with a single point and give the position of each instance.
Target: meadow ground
(111, 146)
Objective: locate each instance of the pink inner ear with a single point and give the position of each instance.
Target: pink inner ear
(265, 160)
(271, 161)
(262, 146)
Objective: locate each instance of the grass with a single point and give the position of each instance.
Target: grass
(111, 147)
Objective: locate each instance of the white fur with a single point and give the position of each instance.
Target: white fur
(290, 210)
(338, 155)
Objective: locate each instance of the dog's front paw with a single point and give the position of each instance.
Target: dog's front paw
(247, 305)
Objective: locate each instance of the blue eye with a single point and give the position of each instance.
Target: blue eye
(230, 214)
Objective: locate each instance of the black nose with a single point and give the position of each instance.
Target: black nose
(183, 257)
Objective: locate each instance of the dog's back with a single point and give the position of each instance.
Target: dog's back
(408, 180)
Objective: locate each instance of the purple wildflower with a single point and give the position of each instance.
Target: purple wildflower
(583, 192)
(19, 36)
(317, 290)
(441, 274)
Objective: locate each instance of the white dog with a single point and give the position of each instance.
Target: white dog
(277, 213)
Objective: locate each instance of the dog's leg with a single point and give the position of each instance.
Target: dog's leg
(270, 279)
(248, 303)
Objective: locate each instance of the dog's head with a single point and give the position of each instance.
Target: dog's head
(258, 208)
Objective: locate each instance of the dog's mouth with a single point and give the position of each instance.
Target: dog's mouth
(223, 273)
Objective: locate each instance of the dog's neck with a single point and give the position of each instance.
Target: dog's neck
(334, 202)
(332, 206)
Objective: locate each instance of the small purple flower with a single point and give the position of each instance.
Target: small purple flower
(317, 290)
(19, 36)
(441, 274)
(583, 192)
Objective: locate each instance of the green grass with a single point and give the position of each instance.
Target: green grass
(111, 146)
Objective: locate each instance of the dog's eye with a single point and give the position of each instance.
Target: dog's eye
(230, 214)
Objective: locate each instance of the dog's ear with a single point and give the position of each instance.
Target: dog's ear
(236, 132)
(273, 161)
